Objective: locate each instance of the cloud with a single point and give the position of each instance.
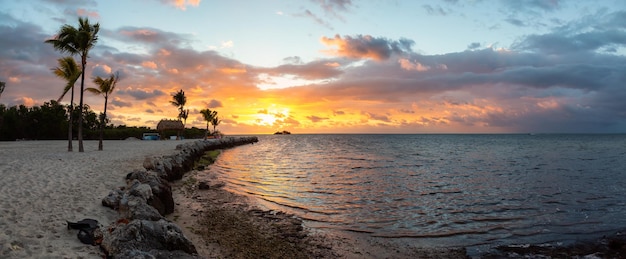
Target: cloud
(516, 22)
(312, 16)
(474, 45)
(533, 5)
(437, 10)
(318, 69)
(141, 94)
(118, 102)
(152, 37)
(379, 117)
(561, 43)
(214, 104)
(86, 13)
(334, 7)
(314, 118)
(182, 4)
(366, 46)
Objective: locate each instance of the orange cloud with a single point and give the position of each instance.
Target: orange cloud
(83, 12)
(182, 4)
(366, 46)
(149, 64)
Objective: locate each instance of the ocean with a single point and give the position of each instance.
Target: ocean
(476, 191)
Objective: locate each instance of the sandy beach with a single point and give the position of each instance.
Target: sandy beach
(42, 185)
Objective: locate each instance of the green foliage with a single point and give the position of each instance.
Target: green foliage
(50, 122)
(208, 158)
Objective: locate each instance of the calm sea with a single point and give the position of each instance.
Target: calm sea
(454, 190)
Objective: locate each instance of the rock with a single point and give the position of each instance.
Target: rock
(203, 185)
(144, 237)
(147, 197)
(155, 254)
(134, 207)
(141, 190)
(161, 199)
(113, 199)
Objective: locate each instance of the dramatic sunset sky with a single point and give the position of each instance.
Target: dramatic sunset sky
(337, 66)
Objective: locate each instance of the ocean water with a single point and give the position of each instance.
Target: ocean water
(475, 191)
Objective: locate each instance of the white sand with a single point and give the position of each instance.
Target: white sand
(42, 185)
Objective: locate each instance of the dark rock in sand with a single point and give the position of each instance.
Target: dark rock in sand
(144, 238)
(204, 185)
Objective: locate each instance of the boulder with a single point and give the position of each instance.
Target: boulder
(134, 207)
(144, 237)
(113, 199)
(161, 199)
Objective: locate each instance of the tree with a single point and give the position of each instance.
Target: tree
(179, 100)
(77, 41)
(105, 88)
(2, 85)
(208, 116)
(215, 121)
(69, 71)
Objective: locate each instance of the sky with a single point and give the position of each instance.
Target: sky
(336, 66)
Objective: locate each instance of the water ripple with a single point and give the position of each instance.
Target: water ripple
(456, 189)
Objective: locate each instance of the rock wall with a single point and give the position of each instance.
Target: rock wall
(142, 231)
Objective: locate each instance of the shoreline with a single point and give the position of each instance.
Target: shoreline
(43, 185)
(196, 211)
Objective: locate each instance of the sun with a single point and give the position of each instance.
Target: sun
(266, 119)
(272, 116)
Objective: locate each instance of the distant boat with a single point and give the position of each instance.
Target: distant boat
(284, 132)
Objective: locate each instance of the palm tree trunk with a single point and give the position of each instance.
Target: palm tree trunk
(102, 120)
(69, 127)
(80, 106)
(206, 133)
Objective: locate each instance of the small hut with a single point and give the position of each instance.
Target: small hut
(170, 125)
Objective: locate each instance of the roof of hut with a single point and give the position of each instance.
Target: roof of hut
(170, 125)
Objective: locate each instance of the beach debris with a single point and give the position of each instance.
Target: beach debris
(89, 231)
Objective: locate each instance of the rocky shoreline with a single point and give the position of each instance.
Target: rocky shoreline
(142, 229)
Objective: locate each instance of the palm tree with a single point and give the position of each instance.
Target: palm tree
(105, 88)
(215, 121)
(208, 116)
(2, 85)
(77, 41)
(179, 100)
(68, 70)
